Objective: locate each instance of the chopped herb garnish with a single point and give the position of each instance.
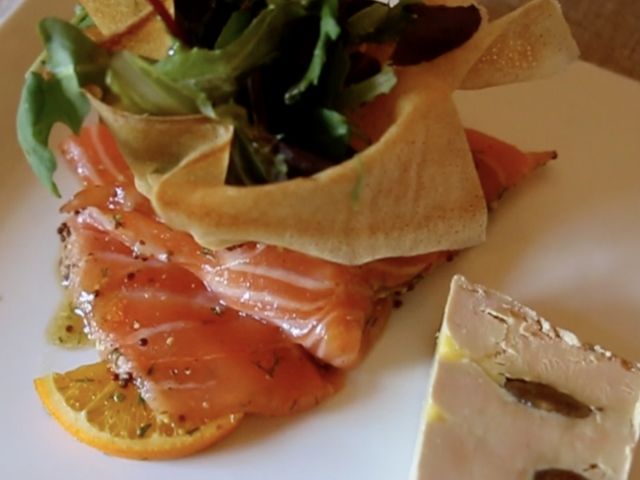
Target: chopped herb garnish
(357, 187)
(117, 220)
(83, 380)
(329, 32)
(114, 355)
(365, 91)
(119, 397)
(142, 430)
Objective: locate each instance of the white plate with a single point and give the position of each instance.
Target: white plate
(566, 242)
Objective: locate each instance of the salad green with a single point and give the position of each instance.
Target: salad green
(285, 73)
(72, 61)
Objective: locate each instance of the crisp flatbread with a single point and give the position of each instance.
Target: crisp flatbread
(413, 191)
(536, 45)
(131, 25)
(116, 16)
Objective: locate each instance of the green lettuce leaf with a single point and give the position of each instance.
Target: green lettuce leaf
(216, 72)
(329, 31)
(42, 104)
(328, 133)
(362, 92)
(379, 23)
(335, 74)
(72, 61)
(238, 23)
(367, 20)
(143, 90)
(73, 58)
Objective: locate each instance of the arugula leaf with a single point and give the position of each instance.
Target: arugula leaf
(202, 21)
(362, 92)
(72, 60)
(328, 133)
(367, 20)
(335, 74)
(143, 90)
(379, 23)
(232, 30)
(36, 118)
(81, 17)
(329, 31)
(305, 4)
(215, 72)
(72, 57)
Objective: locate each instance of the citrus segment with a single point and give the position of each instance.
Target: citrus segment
(110, 415)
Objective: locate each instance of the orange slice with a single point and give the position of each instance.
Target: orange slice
(114, 418)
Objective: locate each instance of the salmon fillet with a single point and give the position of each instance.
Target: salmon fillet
(190, 355)
(254, 328)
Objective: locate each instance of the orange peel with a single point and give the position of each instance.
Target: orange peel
(114, 418)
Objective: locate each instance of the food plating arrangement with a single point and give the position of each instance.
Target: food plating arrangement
(258, 185)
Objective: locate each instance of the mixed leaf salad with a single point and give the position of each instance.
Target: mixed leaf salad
(285, 73)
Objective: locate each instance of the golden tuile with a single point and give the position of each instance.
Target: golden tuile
(529, 43)
(130, 25)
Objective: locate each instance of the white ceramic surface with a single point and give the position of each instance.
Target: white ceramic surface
(6, 7)
(565, 242)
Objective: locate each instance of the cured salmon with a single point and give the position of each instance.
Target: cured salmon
(500, 165)
(323, 306)
(258, 328)
(191, 356)
(93, 156)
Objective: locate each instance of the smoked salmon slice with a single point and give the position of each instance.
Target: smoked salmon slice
(334, 311)
(323, 306)
(500, 165)
(191, 356)
(94, 157)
